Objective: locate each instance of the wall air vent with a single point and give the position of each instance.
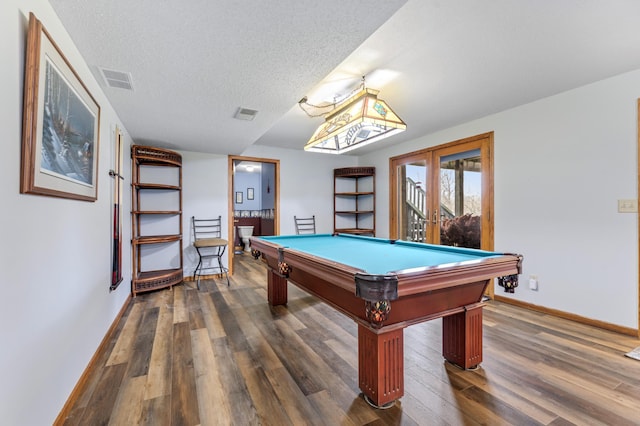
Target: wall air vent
(117, 79)
(246, 114)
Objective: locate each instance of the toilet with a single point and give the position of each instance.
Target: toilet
(245, 232)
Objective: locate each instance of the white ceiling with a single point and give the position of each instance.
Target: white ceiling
(437, 63)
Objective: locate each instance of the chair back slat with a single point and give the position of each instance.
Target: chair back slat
(305, 225)
(206, 228)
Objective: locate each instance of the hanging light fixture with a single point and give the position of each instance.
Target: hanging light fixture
(359, 120)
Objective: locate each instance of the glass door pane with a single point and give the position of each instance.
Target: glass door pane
(444, 195)
(460, 207)
(412, 189)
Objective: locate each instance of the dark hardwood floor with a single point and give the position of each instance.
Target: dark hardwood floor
(222, 356)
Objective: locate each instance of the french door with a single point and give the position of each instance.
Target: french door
(444, 194)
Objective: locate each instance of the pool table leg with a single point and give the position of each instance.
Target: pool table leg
(276, 288)
(462, 337)
(381, 365)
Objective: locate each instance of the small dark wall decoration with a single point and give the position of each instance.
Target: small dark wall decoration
(249, 193)
(239, 197)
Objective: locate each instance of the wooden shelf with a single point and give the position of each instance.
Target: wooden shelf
(354, 212)
(157, 239)
(354, 172)
(352, 194)
(143, 156)
(156, 186)
(152, 280)
(156, 212)
(153, 156)
(354, 200)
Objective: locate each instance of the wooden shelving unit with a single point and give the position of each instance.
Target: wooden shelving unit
(156, 218)
(354, 200)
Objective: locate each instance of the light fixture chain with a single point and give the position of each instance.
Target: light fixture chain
(304, 102)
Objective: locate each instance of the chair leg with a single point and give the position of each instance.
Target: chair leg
(223, 269)
(198, 271)
(195, 271)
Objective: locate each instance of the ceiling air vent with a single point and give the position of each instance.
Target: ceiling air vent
(117, 79)
(246, 114)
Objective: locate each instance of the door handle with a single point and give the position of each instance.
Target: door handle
(435, 216)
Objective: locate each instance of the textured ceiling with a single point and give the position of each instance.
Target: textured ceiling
(437, 63)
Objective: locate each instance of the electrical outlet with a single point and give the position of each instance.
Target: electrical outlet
(533, 282)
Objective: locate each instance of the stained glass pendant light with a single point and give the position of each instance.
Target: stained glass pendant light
(358, 121)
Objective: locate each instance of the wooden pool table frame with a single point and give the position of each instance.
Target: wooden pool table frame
(452, 292)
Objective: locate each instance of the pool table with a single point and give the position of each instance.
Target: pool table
(384, 286)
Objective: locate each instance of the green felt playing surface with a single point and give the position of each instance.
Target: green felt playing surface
(377, 255)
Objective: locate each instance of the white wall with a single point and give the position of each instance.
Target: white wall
(306, 188)
(56, 253)
(306, 184)
(204, 194)
(561, 164)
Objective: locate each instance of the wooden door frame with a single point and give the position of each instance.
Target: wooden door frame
(638, 215)
(486, 159)
(394, 162)
(484, 142)
(230, 200)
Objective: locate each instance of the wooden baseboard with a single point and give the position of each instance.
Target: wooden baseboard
(572, 317)
(73, 397)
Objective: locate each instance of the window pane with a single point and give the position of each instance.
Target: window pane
(412, 211)
(461, 199)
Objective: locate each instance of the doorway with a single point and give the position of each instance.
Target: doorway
(444, 194)
(254, 202)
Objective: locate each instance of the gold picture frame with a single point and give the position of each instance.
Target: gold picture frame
(61, 124)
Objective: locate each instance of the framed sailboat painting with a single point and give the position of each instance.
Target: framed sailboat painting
(61, 123)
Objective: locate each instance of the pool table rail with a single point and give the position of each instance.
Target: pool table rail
(427, 278)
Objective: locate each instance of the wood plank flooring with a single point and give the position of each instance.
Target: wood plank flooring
(222, 356)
